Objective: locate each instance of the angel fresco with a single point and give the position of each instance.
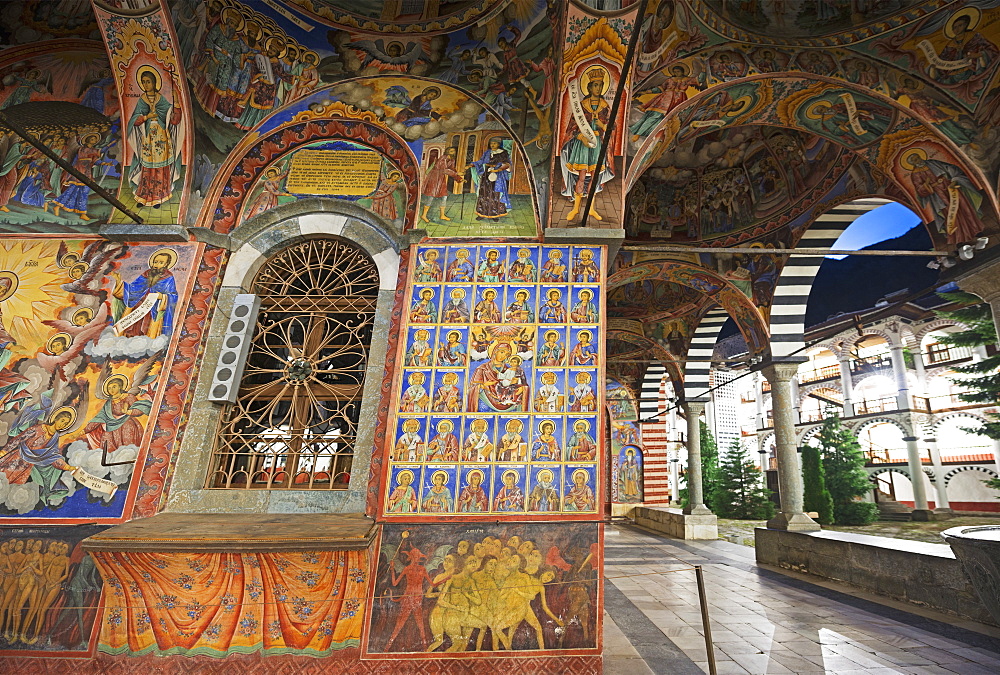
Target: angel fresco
(35, 450)
(116, 424)
(387, 57)
(74, 338)
(416, 110)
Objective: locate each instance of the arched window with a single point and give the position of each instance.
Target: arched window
(295, 423)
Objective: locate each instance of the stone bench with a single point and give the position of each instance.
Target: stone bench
(676, 523)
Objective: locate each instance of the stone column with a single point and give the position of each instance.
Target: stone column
(920, 510)
(847, 386)
(693, 408)
(675, 462)
(758, 392)
(943, 508)
(796, 413)
(899, 370)
(791, 517)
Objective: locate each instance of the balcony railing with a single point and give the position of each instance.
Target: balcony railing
(876, 405)
(871, 364)
(938, 354)
(817, 374)
(942, 402)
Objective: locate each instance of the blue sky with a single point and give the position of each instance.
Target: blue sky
(877, 225)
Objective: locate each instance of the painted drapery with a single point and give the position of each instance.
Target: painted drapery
(219, 603)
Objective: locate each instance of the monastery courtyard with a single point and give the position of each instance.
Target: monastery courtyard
(766, 620)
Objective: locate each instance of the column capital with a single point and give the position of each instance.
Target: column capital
(695, 404)
(782, 369)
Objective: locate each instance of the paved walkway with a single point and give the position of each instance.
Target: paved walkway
(765, 621)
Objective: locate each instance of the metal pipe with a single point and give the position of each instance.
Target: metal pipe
(705, 623)
(67, 167)
(602, 154)
(778, 251)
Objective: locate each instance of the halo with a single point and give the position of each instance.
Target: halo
(553, 290)
(526, 252)
(13, 283)
(904, 157)
(149, 69)
(538, 475)
(58, 411)
(586, 290)
(412, 375)
(585, 80)
(450, 376)
(406, 423)
(460, 291)
(586, 474)
(551, 332)
(552, 422)
(590, 336)
(585, 423)
(682, 65)
(85, 311)
(396, 173)
(812, 112)
(65, 336)
(443, 422)
(69, 260)
(492, 250)
(744, 103)
(509, 422)
(404, 472)
(490, 290)
(496, 345)
(232, 11)
(310, 55)
(170, 252)
(86, 137)
(972, 13)
(455, 333)
(120, 378)
(509, 472)
(482, 475)
(271, 40)
(462, 253)
(425, 289)
(583, 373)
(521, 290)
(476, 420)
(79, 269)
(439, 472)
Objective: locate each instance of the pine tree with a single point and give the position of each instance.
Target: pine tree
(845, 475)
(739, 491)
(709, 469)
(815, 495)
(983, 377)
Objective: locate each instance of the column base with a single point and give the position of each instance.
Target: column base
(943, 513)
(793, 522)
(699, 510)
(922, 515)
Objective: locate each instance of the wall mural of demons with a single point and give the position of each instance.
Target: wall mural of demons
(86, 328)
(155, 112)
(64, 95)
(247, 60)
(451, 589)
(50, 593)
(497, 406)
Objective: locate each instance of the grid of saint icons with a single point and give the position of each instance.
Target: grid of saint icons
(497, 410)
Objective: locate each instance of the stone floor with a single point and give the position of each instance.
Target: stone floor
(765, 621)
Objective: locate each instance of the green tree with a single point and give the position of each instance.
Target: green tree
(815, 495)
(739, 491)
(845, 475)
(709, 469)
(982, 378)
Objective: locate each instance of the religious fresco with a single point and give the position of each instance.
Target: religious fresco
(590, 73)
(50, 601)
(443, 590)
(732, 183)
(156, 126)
(87, 330)
(214, 604)
(496, 408)
(65, 95)
(32, 21)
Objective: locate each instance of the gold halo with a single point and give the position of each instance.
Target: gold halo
(450, 376)
(462, 253)
(55, 413)
(482, 475)
(496, 345)
(305, 56)
(509, 422)
(81, 268)
(170, 252)
(526, 251)
(404, 472)
(460, 291)
(423, 290)
(413, 375)
(14, 281)
(509, 472)
(904, 158)
(590, 336)
(439, 472)
(423, 331)
(538, 476)
(149, 69)
(583, 373)
(448, 422)
(586, 474)
(119, 377)
(85, 311)
(585, 423)
(273, 39)
(477, 420)
(973, 14)
(407, 422)
(92, 134)
(552, 422)
(682, 65)
(232, 11)
(745, 102)
(492, 250)
(585, 79)
(812, 112)
(69, 260)
(65, 336)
